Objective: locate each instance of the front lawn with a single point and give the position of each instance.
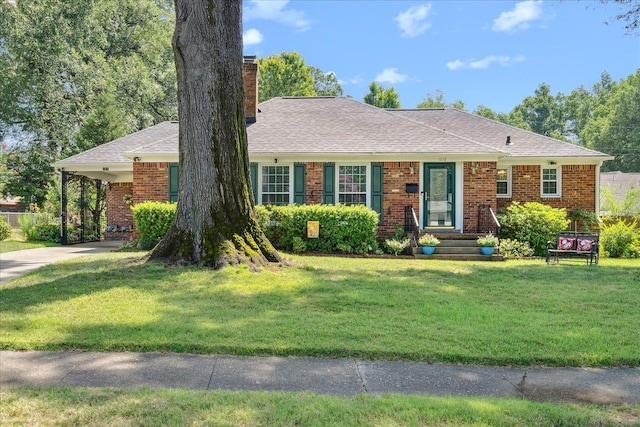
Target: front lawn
(76, 406)
(512, 313)
(18, 243)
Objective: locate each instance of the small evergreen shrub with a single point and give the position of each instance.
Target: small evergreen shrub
(342, 228)
(5, 229)
(514, 249)
(619, 239)
(153, 220)
(534, 223)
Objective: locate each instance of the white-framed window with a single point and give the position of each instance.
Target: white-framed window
(551, 184)
(275, 184)
(503, 182)
(352, 185)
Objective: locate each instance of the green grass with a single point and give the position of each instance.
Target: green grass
(143, 407)
(513, 313)
(18, 243)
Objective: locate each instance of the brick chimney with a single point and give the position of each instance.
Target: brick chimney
(250, 85)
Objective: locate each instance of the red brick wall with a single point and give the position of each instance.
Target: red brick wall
(152, 182)
(118, 210)
(479, 188)
(578, 187)
(250, 86)
(313, 188)
(395, 198)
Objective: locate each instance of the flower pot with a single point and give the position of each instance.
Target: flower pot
(428, 250)
(487, 250)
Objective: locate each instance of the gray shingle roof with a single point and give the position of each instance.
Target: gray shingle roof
(342, 125)
(494, 134)
(338, 125)
(111, 153)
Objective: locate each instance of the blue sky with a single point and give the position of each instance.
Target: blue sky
(494, 53)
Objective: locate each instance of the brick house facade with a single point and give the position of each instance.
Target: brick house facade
(444, 163)
(579, 184)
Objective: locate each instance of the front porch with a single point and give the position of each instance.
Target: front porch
(455, 244)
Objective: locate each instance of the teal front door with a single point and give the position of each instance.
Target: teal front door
(438, 195)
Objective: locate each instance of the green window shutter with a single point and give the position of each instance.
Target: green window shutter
(376, 189)
(253, 169)
(174, 182)
(299, 183)
(328, 184)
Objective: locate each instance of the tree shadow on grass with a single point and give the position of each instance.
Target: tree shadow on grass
(453, 312)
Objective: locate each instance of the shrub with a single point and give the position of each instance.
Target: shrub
(45, 232)
(28, 220)
(345, 228)
(395, 247)
(5, 229)
(299, 245)
(153, 220)
(515, 249)
(618, 238)
(534, 223)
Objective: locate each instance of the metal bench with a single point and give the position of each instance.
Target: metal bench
(574, 244)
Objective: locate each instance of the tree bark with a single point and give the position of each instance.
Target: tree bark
(216, 224)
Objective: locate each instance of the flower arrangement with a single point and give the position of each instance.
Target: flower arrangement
(428, 240)
(119, 229)
(488, 240)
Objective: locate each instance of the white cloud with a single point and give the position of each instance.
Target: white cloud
(413, 21)
(251, 37)
(390, 75)
(484, 63)
(520, 17)
(276, 10)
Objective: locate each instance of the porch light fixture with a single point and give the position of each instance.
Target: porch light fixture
(553, 163)
(508, 140)
(275, 160)
(136, 159)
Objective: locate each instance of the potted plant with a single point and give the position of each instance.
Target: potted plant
(428, 243)
(487, 243)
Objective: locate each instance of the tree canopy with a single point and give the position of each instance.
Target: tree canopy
(287, 74)
(437, 100)
(382, 98)
(614, 127)
(77, 74)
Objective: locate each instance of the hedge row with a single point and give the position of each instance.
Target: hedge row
(347, 229)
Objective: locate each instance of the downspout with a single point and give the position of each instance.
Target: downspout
(597, 207)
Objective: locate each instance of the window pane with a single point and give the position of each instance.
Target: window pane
(275, 185)
(549, 188)
(502, 187)
(352, 185)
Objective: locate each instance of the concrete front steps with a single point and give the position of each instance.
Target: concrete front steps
(457, 247)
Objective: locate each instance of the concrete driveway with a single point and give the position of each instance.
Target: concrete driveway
(17, 263)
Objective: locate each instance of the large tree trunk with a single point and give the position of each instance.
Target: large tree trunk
(215, 223)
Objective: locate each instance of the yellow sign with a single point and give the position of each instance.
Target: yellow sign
(313, 229)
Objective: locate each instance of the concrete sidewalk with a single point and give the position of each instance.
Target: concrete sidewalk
(17, 263)
(325, 376)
